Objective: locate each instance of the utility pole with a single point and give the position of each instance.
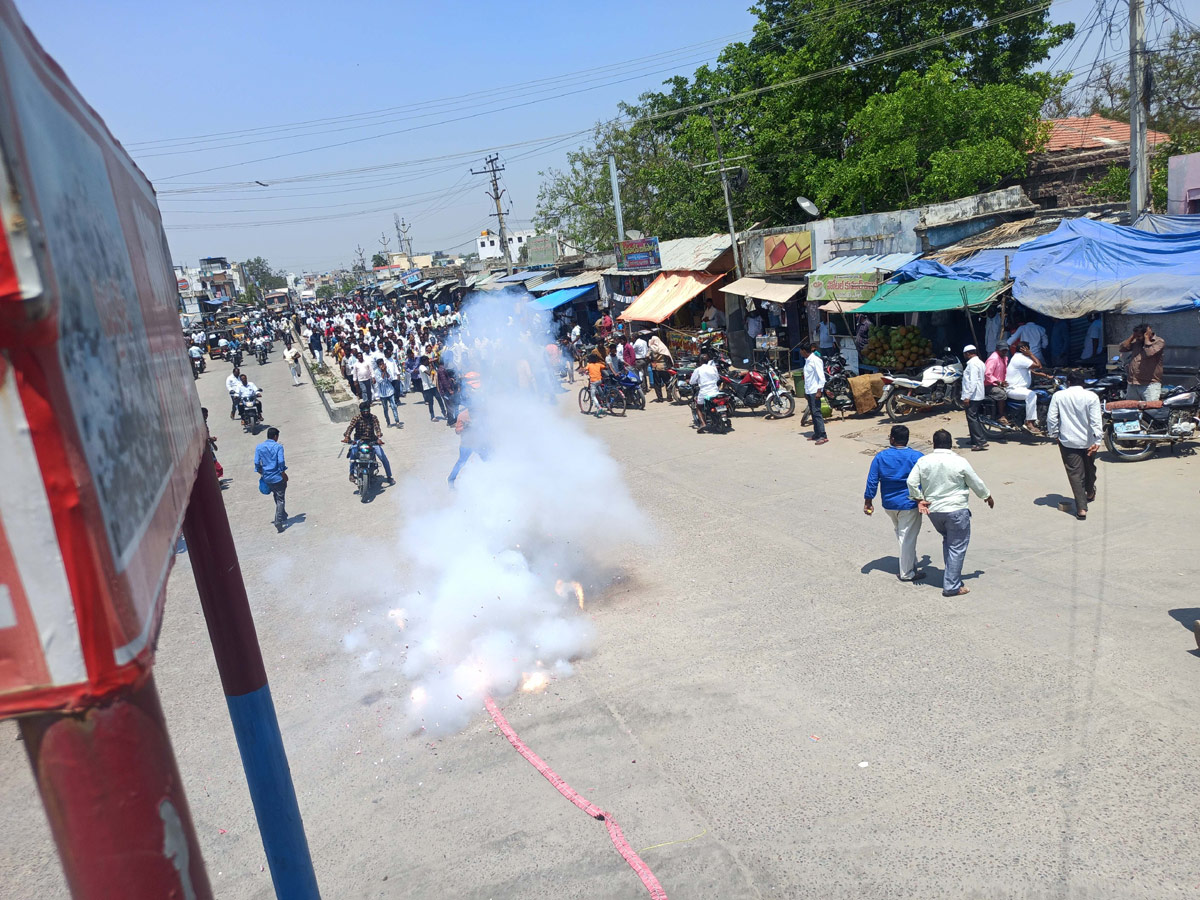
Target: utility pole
(493, 168)
(403, 241)
(616, 189)
(362, 264)
(737, 258)
(1139, 111)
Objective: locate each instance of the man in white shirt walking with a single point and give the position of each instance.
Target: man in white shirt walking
(1074, 419)
(972, 396)
(814, 387)
(941, 482)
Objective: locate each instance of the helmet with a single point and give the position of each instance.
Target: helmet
(364, 406)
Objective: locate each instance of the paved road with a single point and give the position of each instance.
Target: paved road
(1037, 738)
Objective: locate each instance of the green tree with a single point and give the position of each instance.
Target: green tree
(935, 137)
(378, 260)
(346, 285)
(259, 272)
(790, 135)
(326, 291)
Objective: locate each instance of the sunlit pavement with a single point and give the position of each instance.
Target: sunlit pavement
(768, 710)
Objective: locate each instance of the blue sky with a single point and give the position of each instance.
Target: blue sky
(158, 71)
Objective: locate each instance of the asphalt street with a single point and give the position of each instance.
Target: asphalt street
(768, 712)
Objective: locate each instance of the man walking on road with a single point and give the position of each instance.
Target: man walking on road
(316, 347)
(1074, 419)
(233, 384)
(1145, 366)
(889, 474)
(814, 386)
(270, 465)
(972, 396)
(941, 484)
(292, 357)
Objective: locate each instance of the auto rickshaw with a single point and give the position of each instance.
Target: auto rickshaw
(214, 342)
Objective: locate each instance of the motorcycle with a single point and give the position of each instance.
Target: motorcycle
(235, 357)
(251, 412)
(363, 466)
(1044, 386)
(630, 383)
(197, 366)
(1133, 429)
(716, 414)
(939, 385)
(759, 386)
(837, 392)
(679, 388)
(260, 353)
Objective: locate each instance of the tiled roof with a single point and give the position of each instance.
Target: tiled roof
(1093, 133)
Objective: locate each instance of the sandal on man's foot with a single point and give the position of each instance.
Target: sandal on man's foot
(962, 590)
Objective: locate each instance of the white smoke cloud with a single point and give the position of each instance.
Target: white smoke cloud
(547, 507)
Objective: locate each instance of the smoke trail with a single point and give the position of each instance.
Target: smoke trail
(547, 505)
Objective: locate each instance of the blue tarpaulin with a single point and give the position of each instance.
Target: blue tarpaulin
(1084, 266)
(558, 298)
(1161, 224)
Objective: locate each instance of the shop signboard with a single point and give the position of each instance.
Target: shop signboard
(100, 427)
(844, 287)
(541, 250)
(412, 276)
(639, 254)
(788, 252)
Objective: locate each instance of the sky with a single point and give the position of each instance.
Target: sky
(211, 98)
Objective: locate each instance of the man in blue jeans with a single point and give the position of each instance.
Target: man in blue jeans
(814, 387)
(889, 472)
(270, 465)
(941, 483)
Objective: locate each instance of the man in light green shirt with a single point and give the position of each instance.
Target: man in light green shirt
(941, 482)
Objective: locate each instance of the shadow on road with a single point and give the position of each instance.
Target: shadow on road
(1053, 501)
(891, 565)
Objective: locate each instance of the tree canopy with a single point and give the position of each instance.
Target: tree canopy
(846, 69)
(259, 271)
(378, 260)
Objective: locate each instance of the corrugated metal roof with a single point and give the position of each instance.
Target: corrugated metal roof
(887, 262)
(520, 277)
(446, 282)
(553, 284)
(684, 255)
(595, 276)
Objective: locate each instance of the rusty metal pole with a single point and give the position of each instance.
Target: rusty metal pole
(115, 802)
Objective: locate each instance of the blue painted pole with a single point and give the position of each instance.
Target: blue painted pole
(247, 694)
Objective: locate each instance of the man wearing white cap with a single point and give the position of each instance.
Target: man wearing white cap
(972, 396)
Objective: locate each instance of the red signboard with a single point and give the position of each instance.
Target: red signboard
(100, 428)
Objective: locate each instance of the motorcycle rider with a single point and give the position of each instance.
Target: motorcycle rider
(233, 384)
(197, 356)
(706, 380)
(995, 373)
(365, 427)
(1020, 383)
(248, 394)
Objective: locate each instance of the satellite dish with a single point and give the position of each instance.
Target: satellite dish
(808, 206)
(634, 235)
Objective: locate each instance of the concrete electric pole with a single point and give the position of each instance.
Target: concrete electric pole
(493, 168)
(616, 189)
(737, 257)
(404, 242)
(1139, 112)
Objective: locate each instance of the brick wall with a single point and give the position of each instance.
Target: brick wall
(1061, 179)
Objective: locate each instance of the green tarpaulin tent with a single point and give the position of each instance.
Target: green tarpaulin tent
(930, 294)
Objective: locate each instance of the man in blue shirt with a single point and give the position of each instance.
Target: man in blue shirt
(889, 475)
(269, 463)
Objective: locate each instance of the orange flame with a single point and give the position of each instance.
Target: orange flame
(561, 587)
(535, 682)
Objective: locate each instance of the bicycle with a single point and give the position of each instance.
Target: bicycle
(612, 399)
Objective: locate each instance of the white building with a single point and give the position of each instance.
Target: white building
(489, 246)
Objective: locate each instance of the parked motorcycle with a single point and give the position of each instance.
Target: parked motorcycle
(1134, 430)
(716, 414)
(759, 386)
(631, 386)
(1044, 386)
(837, 393)
(363, 466)
(679, 388)
(939, 385)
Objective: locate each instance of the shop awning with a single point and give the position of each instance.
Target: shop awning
(930, 294)
(666, 294)
(763, 289)
(555, 299)
(841, 306)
